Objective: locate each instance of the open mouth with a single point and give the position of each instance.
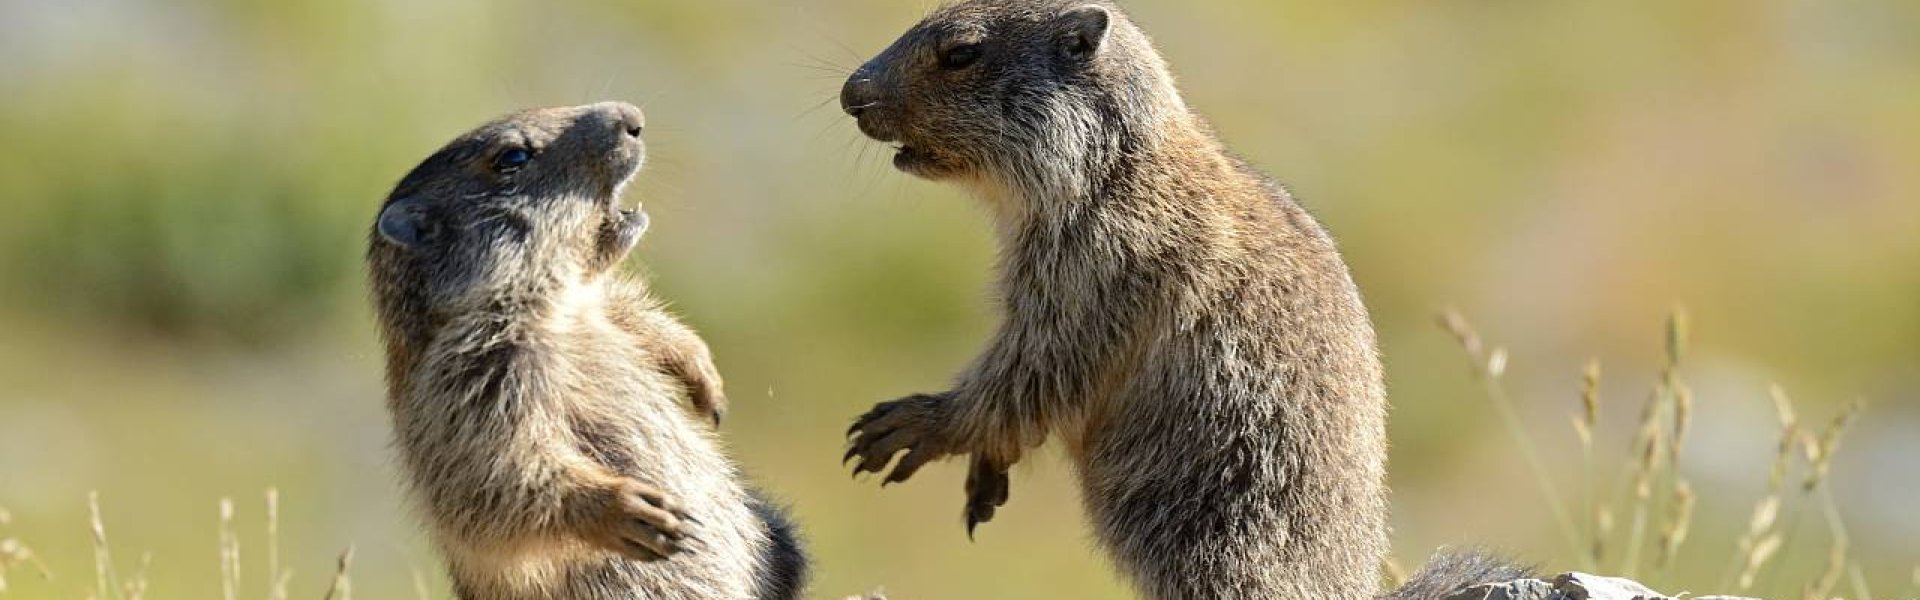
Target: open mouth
(633, 221)
(614, 196)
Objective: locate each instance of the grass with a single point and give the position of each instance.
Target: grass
(109, 585)
(1647, 485)
(15, 554)
(1658, 494)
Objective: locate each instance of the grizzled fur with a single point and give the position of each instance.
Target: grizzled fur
(554, 420)
(1171, 314)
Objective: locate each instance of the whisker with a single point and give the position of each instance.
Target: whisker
(815, 108)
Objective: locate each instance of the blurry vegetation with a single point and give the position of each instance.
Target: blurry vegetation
(1659, 496)
(187, 186)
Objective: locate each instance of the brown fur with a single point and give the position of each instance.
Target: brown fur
(539, 398)
(1174, 317)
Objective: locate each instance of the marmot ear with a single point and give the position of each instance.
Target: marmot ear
(403, 222)
(1086, 29)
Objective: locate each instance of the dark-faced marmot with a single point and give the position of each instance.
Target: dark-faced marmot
(1184, 327)
(555, 422)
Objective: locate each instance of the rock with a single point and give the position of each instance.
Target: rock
(1570, 586)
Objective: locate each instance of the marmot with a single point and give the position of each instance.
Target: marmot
(537, 395)
(1186, 329)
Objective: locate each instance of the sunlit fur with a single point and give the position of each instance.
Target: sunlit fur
(533, 387)
(1172, 315)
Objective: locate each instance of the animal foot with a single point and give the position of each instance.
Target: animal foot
(643, 523)
(914, 424)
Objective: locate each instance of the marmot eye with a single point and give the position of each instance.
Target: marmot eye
(960, 57)
(513, 158)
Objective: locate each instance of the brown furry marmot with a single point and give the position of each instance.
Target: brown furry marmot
(1172, 315)
(554, 420)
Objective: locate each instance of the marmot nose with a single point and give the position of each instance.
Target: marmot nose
(626, 117)
(858, 95)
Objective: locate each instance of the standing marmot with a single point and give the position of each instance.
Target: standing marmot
(537, 395)
(1185, 328)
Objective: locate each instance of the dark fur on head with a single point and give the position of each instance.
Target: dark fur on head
(512, 208)
(1172, 315)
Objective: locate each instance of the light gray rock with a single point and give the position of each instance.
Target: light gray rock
(1570, 586)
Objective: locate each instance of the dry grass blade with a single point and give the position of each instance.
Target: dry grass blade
(1820, 458)
(1822, 588)
(1488, 368)
(14, 553)
(1463, 333)
(1679, 521)
(105, 583)
(1395, 574)
(1820, 452)
(1589, 417)
(1658, 450)
(229, 553)
(419, 583)
(1789, 433)
(1584, 424)
(1646, 468)
(1602, 530)
(1682, 420)
(1766, 511)
(1783, 406)
(1764, 515)
(274, 576)
(1677, 331)
(1757, 558)
(342, 588)
(136, 587)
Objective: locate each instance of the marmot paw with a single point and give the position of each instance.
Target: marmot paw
(914, 423)
(643, 523)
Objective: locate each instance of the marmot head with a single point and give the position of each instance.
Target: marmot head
(1014, 90)
(517, 206)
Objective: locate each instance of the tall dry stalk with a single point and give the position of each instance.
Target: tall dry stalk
(14, 553)
(1762, 538)
(1820, 460)
(420, 582)
(342, 588)
(1585, 422)
(229, 553)
(1679, 522)
(1488, 367)
(273, 542)
(136, 587)
(105, 581)
(1658, 449)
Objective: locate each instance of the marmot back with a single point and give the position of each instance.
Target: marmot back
(553, 419)
(1186, 329)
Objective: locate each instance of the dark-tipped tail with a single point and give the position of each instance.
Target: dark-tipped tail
(1450, 571)
(784, 576)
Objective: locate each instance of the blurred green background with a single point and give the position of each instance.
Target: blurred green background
(187, 185)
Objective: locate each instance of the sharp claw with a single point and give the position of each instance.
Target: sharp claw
(851, 452)
(899, 474)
